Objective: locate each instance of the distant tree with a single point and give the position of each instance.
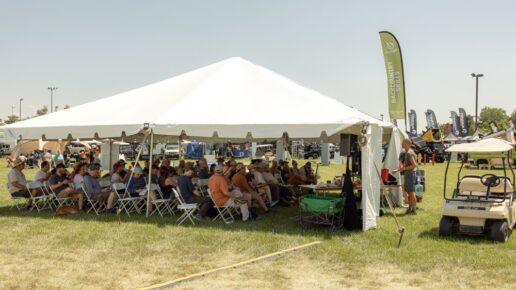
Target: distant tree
(42, 111)
(11, 119)
(66, 107)
(493, 115)
(446, 128)
(513, 118)
(471, 124)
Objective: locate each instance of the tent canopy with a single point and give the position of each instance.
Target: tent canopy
(483, 146)
(233, 98)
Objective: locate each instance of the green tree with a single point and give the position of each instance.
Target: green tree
(42, 111)
(493, 115)
(471, 124)
(11, 119)
(513, 118)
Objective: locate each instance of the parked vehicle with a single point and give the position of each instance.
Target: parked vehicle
(171, 151)
(5, 149)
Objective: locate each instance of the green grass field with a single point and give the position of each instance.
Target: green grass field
(89, 252)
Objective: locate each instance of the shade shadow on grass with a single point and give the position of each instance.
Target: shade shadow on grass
(433, 234)
(280, 222)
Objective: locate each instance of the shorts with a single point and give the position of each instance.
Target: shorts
(21, 193)
(410, 181)
(100, 196)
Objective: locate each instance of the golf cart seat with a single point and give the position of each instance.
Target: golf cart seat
(471, 185)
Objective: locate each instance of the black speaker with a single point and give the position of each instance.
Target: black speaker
(347, 142)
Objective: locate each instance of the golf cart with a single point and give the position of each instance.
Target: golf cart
(480, 204)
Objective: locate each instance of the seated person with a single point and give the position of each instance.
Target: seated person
(95, 192)
(295, 175)
(203, 172)
(137, 186)
(44, 173)
(239, 180)
(79, 176)
(191, 195)
(260, 184)
(180, 167)
(166, 183)
(307, 173)
(119, 175)
(59, 184)
(222, 196)
(17, 183)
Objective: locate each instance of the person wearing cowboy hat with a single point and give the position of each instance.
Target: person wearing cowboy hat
(16, 180)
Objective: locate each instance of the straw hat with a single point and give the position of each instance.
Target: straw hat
(19, 160)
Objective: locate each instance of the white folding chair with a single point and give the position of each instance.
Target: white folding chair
(225, 211)
(53, 200)
(16, 200)
(38, 202)
(96, 205)
(161, 204)
(187, 208)
(127, 203)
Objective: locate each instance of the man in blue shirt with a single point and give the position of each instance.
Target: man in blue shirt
(191, 195)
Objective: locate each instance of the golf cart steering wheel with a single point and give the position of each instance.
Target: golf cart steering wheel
(490, 180)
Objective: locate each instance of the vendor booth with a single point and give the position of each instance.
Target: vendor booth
(230, 100)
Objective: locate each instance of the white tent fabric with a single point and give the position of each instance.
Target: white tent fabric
(371, 177)
(483, 146)
(232, 98)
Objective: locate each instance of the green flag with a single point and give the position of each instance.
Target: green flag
(395, 78)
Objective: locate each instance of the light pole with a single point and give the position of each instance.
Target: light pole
(21, 99)
(476, 76)
(12, 110)
(52, 89)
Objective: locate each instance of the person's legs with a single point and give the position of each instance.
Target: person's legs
(267, 191)
(113, 197)
(410, 189)
(258, 198)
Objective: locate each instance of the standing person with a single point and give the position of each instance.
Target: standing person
(407, 167)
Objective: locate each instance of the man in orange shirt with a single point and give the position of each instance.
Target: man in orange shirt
(239, 180)
(221, 194)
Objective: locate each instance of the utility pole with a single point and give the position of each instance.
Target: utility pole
(52, 89)
(21, 99)
(476, 76)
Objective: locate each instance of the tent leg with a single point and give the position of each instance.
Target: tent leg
(149, 180)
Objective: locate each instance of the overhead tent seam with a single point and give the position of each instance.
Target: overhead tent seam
(227, 100)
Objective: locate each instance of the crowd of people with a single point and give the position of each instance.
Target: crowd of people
(256, 187)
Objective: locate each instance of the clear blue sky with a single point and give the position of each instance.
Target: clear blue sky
(93, 49)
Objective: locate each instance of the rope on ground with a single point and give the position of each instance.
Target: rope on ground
(274, 255)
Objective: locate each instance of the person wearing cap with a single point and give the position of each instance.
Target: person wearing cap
(218, 186)
(94, 190)
(138, 187)
(17, 183)
(239, 181)
(59, 183)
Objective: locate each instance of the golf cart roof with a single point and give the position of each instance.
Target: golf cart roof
(486, 145)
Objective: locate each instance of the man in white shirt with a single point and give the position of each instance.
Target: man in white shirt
(16, 181)
(260, 183)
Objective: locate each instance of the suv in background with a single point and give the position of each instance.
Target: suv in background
(5, 149)
(172, 151)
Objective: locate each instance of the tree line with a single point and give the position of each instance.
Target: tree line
(39, 112)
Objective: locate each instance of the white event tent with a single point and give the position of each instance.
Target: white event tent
(231, 99)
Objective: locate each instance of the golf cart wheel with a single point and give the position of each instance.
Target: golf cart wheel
(446, 226)
(499, 231)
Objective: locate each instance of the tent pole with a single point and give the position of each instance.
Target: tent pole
(149, 181)
(135, 164)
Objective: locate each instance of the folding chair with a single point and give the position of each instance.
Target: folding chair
(127, 203)
(96, 205)
(53, 200)
(202, 185)
(38, 202)
(16, 200)
(225, 211)
(161, 205)
(187, 208)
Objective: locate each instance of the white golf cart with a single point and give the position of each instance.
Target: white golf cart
(481, 204)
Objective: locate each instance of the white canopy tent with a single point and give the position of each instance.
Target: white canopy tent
(231, 99)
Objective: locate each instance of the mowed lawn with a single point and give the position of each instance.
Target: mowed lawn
(85, 251)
